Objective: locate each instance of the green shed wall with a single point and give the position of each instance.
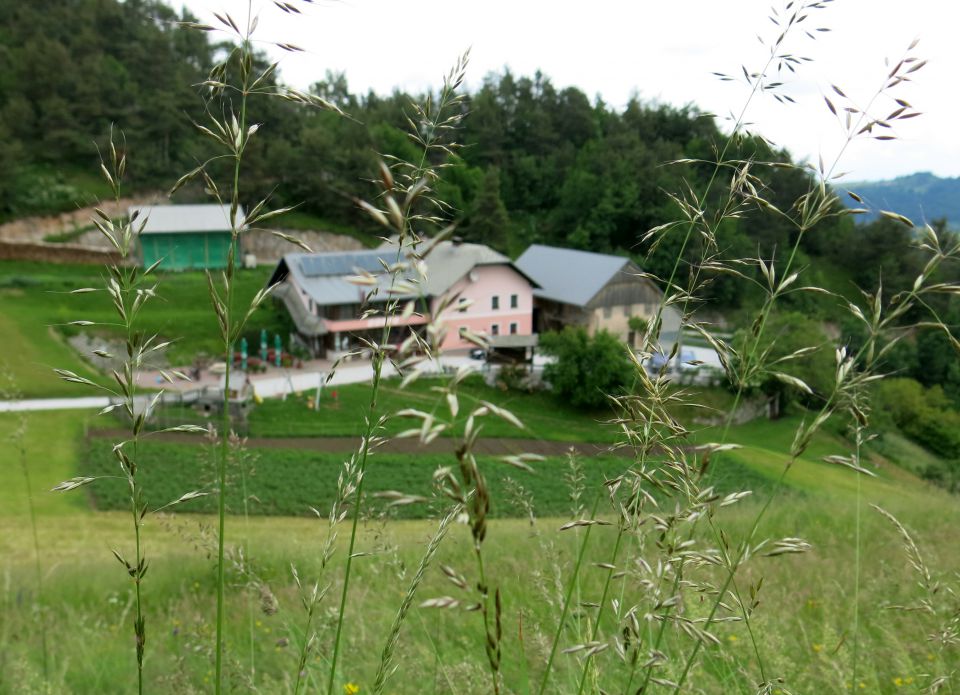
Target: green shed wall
(186, 250)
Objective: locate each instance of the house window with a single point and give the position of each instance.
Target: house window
(495, 329)
(513, 329)
(514, 301)
(607, 312)
(495, 302)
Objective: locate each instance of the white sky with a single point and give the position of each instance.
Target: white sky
(664, 51)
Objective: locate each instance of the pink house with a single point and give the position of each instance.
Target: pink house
(490, 296)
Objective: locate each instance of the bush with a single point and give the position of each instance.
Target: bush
(513, 377)
(586, 368)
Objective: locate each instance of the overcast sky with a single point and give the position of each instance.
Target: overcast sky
(663, 51)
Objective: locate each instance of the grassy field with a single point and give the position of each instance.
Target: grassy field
(54, 445)
(35, 306)
(805, 621)
(805, 615)
(544, 416)
(32, 349)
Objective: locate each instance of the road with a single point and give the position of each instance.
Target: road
(276, 382)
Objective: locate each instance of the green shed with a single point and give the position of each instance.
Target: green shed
(185, 237)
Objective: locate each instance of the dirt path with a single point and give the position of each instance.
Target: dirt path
(493, 446)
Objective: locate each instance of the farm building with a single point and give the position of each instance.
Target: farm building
(594, 290)
(185, 237)
(492, 296)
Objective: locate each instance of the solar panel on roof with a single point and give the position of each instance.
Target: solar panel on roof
(339, 264)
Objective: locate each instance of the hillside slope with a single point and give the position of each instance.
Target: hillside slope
(923, 197)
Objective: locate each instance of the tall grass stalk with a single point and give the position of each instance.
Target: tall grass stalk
(129, 292)
(568, 596)
(231, 134)
(130, 289)
(815, 206)
(384, 669)
(401, 196)
(858, 546)
(696, 221)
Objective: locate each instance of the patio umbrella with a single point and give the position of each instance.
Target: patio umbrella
(243, 354)
(263, 345)
(277, 349)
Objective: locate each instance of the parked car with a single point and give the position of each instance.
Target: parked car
(682, 361)
(478, 354)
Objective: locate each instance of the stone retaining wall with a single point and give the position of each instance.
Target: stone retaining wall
(55, 253)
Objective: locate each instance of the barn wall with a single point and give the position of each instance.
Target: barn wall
(187, 250)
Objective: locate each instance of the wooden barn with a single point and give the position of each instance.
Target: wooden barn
(600, 292)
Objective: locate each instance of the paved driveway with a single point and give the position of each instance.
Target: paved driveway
(276, 382)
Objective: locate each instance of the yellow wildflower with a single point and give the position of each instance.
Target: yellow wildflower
(818, 648)
(732, 638)
(898, 681)
(351, 689)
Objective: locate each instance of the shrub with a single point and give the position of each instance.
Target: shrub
(586, 368)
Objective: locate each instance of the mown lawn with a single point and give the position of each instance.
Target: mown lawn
(342, 410)
(32, 348)
(35, 308)
(53, 442)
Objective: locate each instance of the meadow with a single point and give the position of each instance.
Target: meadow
(804, 614)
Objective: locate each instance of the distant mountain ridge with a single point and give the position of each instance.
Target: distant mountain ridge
(923, 197)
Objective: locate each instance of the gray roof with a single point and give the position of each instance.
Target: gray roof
(567, 275)
(324, 275)
(180, 219)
